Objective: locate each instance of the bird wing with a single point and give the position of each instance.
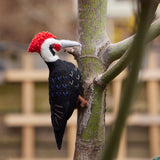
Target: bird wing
(59, 99)
(64, 88)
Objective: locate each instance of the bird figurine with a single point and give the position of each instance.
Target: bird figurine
(65, 81)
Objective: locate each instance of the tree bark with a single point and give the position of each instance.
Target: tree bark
(91, 120)
(93, 63)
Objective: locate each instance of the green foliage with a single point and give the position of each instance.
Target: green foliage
(95, 130)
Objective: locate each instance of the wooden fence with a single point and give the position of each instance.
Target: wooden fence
(28, 120)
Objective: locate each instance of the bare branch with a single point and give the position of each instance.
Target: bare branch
(148, 8)
(115, 51)
(73, 51)
(110, 74)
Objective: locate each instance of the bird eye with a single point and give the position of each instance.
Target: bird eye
(52, 45)
(51, 49)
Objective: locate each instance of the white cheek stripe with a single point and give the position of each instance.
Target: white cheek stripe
(46, 53)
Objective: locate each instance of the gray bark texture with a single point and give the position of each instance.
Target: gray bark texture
(96, 56)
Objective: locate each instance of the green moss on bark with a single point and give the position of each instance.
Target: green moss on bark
(94, 128)
(92, 24)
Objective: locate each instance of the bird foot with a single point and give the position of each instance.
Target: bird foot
(83, 102)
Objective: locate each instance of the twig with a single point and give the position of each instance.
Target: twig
(73, 51)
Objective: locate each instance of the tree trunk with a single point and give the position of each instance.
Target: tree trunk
(91, 120)
(91, 126)
(97, 54)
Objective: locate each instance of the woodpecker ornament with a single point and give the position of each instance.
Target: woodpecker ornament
(64, 80)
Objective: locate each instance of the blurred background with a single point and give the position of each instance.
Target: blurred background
(25, 127)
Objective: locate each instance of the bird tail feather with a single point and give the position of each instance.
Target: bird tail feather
(59, 136)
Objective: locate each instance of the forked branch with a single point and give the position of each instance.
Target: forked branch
(122, 50)
(136, 50)
(116, 50)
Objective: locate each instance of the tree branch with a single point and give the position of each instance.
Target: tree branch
(115, 51)
(110, 74)
(74, 51)
(119, 50)
(148, 8)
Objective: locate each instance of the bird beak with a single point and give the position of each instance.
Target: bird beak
(68, 43)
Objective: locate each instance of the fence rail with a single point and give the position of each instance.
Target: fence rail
(28, 120)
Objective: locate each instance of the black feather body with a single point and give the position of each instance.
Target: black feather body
(64, 88)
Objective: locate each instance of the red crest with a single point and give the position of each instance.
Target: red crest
(37, 41)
